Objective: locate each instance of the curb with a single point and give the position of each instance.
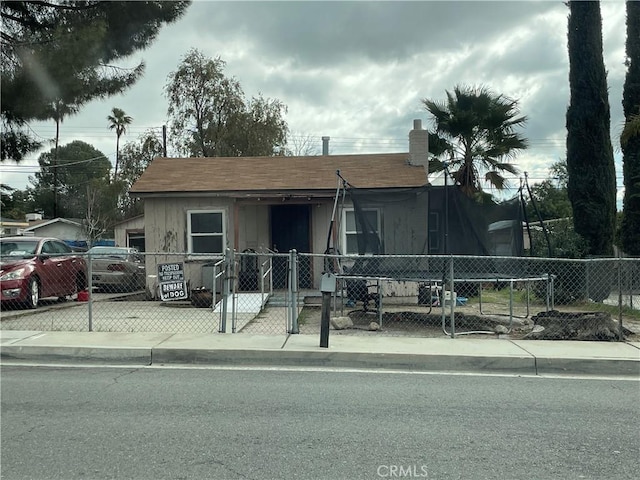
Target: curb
(144, 356)
(588, 366)
(300, 358)
(62, 354)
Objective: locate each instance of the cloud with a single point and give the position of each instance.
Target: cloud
(357, 71)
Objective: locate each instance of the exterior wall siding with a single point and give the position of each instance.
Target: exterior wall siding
(166, 231)
(120, 231)
(63, 231)
(253, 227)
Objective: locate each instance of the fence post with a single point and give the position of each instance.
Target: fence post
(90, 289)
(228, 262)
(620, 329)
(261, 273)
(234, 294)
(293, 288)
(587, 279)
(451, 301)
(629, 269)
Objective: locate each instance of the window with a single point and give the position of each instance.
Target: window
(55, 248)
(350, 231)
(206, 232)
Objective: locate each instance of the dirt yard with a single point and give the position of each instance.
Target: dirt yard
(415, 320)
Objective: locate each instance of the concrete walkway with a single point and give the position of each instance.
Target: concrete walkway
(525, 357)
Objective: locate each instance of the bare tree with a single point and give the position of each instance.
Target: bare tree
(302, 145)
(95, 225)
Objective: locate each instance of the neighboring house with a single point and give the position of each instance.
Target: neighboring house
(206, 205)
(9, 226)
(69, 230)
(130, 233)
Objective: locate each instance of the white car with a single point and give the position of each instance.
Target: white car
(117, 268)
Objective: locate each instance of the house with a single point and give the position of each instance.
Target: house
(130, 233)
(10, 227)
(202, 206)
(69, 230)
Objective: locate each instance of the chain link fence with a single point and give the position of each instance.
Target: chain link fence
(520, 297)
(278, 293)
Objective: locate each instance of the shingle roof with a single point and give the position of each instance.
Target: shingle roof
(264, 174)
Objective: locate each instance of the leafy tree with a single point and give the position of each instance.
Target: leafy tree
(79, 165)
(263, 130)
(559, 173)
(118, 121)
(136, 156)
(57, 56)
(8, 203)
(630, 138)
(17, 203)
(552, 202)
(550, 196)
(592, 182)
(209, 116)
(5, 191)
(475, 131)
(565, 243)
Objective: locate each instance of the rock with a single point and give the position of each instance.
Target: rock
(592, 326)
(341, 323)
(536, 333)
(500, 329)
(373, 326)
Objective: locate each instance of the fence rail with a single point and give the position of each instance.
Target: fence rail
(278, 293)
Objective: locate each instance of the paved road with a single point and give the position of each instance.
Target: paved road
(86, 423)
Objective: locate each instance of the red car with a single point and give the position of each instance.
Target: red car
(32, 268)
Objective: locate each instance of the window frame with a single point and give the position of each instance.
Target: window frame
(222, 234)
(345, 233)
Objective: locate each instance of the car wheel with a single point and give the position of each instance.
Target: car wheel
(33, 293)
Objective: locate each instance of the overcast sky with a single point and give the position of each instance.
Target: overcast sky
(357, 71)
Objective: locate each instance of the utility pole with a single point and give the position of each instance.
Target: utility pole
(164, 141)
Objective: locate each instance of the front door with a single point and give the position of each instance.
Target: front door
(290, 229)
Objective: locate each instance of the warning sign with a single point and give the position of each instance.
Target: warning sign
(171, 281)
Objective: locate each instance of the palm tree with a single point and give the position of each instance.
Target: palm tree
(476, 132)
(118, 121)
(630, 130)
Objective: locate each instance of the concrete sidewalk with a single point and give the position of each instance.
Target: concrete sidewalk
(465, 354)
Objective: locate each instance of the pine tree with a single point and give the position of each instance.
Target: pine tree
(66, 54)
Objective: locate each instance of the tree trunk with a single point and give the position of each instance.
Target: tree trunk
(115, 171)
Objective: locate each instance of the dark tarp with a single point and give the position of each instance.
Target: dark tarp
(420, 221)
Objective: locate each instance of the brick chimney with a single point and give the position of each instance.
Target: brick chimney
(419, 146)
